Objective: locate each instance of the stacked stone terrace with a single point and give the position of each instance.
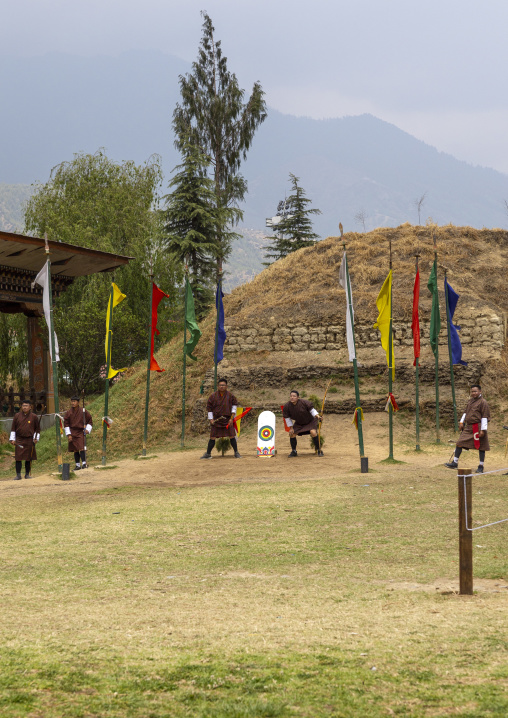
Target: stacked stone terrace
(479, 329)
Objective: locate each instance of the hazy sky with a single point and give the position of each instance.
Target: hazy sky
(435, 68)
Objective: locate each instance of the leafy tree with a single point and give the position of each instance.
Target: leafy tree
(95, 202)
(213, 116)
(191, 221)
(294, 230)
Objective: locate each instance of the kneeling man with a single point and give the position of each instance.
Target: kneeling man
(302, 418)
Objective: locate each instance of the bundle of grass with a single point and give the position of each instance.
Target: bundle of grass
(223, 444)
(322, 441)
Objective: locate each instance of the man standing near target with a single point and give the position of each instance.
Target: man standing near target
(302, 418)
(221, 408)
(473, 427)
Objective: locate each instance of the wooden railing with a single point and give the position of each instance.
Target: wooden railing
(10, 400)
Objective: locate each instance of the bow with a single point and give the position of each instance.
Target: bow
(322, 410)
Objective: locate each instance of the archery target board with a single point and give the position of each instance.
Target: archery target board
(266, 434)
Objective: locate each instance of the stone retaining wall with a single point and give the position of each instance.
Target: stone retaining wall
(478, 329)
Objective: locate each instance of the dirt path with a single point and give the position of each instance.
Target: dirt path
(185, 469)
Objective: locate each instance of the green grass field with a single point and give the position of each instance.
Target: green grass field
(328, 596)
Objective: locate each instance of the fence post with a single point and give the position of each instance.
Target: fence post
(465, 536)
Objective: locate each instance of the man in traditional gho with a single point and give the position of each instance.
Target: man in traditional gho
(221, 408)
(473, 427)
(76, 423)
(302, 418)
(25, 433)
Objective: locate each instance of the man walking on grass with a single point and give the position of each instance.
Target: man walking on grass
(473, 427)
(221, 408)
(25, 433)
(302, 418)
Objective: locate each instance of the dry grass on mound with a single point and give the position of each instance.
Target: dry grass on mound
(475, 260)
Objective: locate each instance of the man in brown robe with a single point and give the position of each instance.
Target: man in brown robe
(477, 413)
(221, 408)
(25, 433)
(77, 423)
(302, 418)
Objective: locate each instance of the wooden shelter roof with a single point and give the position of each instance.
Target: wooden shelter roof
(21, 252)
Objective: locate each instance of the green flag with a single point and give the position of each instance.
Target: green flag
(190, 321)
(435, 318)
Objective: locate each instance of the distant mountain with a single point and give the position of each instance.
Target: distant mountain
(60, 104)
(12, 200)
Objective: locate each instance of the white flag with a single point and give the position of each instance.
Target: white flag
(346, 284)
(42, 280)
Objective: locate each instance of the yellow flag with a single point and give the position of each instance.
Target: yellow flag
(384, 306)
(239, 410)
(117, 298)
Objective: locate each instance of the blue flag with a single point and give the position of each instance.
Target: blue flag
(220, 331)
(452, 299)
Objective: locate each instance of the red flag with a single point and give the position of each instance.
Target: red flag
(156, 297)
(237, 418)
(415, 324)
(391, 400)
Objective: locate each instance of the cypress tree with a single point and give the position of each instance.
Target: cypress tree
(294, 231)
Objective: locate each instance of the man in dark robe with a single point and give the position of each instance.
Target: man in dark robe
(221, 408)
(302, 418)
(473, 424)
(25, 433)
(77, 422)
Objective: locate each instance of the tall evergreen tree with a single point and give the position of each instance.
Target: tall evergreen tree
(191, 220)
(294, 230)
(213, 115)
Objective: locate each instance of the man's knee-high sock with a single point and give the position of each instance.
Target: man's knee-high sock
(482, 457)
(293, 443)
(82, 454)
(210, 446)
(76, 457)
(28, 466)
(458, 452)
(18, 467)
(234, 444)
(315, 439)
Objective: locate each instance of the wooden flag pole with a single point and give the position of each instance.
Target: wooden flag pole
(364, 464)
(182, 442)
(215, 353)
(417, 388)
(452, 378)
(108, 365)
(438, 438)
(147, 398)
(54, 363)
(390, 370)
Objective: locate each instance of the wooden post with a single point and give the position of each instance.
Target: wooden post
(465, 535)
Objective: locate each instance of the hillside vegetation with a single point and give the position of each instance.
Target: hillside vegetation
(304, 286)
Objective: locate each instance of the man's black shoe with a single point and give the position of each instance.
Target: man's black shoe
(17, 477)
(84, 465)
(77, 467)
(320, 453)
(293, 453)
(27, 476)
(206, 456)
(452, 465)
(479, 470)
(238, 455)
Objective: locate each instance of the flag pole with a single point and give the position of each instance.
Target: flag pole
(108, 365)
(390, 370)
(438, 439)
(219, 289)
(417, 387)
(147, 399)
(54, 363)
(355, 365)
(184, 356)
(452, 378)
